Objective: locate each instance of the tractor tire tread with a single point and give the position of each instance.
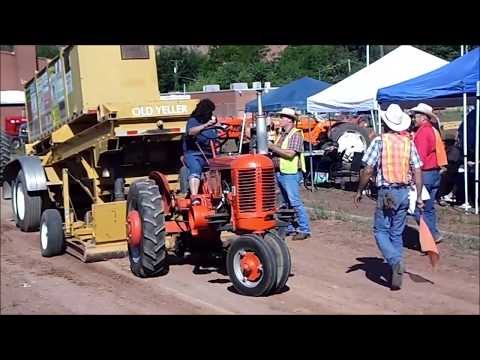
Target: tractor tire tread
(145, 197)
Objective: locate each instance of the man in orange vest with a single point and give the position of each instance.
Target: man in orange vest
(393, 155)
(432, 153)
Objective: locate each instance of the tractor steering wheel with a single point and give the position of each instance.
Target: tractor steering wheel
(217, 142)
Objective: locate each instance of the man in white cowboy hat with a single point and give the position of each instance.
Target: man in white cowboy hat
(430, 152)
(289, 164)
(393, 155)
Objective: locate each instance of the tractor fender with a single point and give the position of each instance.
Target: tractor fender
(162, 182)
(33, 170)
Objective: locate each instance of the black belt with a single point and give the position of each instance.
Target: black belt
(394, 186)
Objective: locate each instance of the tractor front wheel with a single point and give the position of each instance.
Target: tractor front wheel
(251, 266)
(282, 254)
(146, 230)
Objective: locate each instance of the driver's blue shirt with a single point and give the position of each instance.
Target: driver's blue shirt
(203, 138)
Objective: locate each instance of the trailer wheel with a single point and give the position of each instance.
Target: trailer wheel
(52, 241)
(146, 230)
(282, 254)
(27, 206)
(251, 266)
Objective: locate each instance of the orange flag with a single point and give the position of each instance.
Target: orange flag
(427, 242)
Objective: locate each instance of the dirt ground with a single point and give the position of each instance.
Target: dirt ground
(450, 219)
(338, 271)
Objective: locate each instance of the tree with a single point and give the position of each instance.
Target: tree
(243, 54)
(327, 62)
(47, 51)
(189, 63)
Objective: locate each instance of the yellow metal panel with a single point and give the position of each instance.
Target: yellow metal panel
(66, 202)
(106, 77)
(62, 134)
(82, 141)
(75, 99)
(109, 221)
(52, 176)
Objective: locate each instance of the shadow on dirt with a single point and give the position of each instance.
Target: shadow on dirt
(284, 290)
(202, 263)
(375, 270)
(379, 272)
(208, 263)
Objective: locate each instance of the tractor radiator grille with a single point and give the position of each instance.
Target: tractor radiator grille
(247, 184)
(253, 189)
(268, 190)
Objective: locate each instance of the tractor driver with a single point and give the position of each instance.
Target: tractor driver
(196, 144)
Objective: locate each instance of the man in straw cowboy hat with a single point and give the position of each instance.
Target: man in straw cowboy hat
(432, 153)
(393, 155)
(289, 162)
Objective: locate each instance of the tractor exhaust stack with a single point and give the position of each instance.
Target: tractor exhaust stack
(261, 127)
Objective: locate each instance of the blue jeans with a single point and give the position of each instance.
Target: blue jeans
(290, 189)
(431, 180)
(195, 162)
(389, 224)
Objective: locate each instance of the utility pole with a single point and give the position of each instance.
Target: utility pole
(175, 73)
(175, 69)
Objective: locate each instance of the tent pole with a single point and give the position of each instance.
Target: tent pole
(377, 106)
(373, 121)
(477, 147)
(465, 166)
(243, 131)
(310, 149)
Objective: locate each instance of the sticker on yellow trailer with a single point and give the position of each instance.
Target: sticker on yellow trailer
(160, 110)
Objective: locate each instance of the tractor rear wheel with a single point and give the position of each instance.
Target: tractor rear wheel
(282, 254)
(146, 230)
(251, 266)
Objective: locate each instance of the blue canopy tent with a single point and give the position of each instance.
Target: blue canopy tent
(293, 95)
(443, 87)
(454, 84)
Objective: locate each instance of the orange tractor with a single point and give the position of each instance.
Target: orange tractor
(237, 194)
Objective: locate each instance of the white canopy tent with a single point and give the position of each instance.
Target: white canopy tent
(358, 91)
(12, 98)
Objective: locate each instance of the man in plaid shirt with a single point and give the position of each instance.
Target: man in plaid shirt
(393, 155)
(289, 163)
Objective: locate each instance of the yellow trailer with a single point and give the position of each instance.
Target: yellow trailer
(96, 123)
